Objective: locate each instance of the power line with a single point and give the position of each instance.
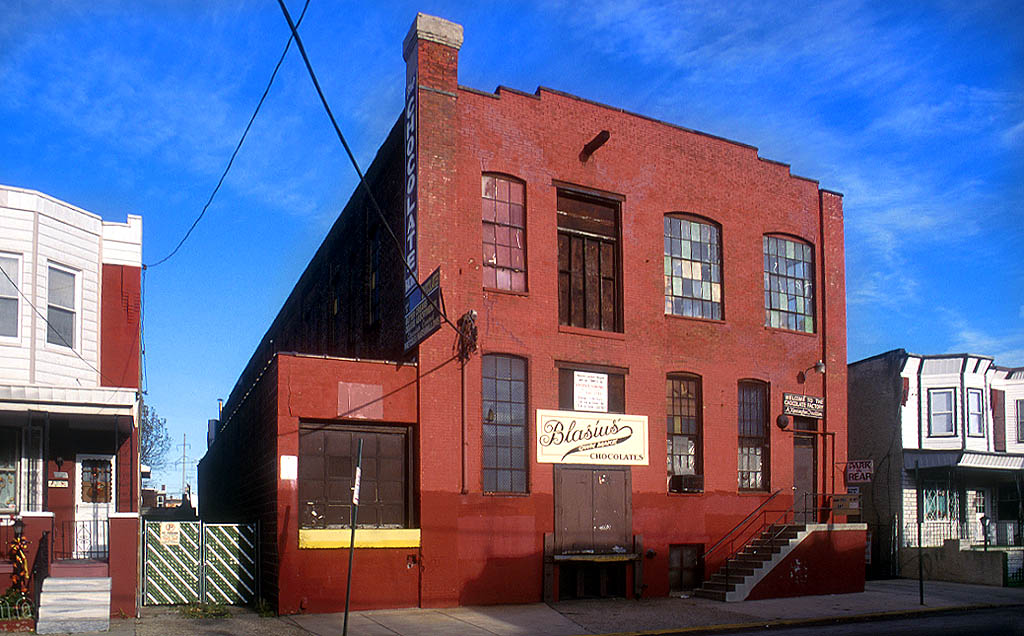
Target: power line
(53, 329)
(362, 179)
(237, 147)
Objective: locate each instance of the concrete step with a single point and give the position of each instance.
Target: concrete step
(714, 595)
(74, 605)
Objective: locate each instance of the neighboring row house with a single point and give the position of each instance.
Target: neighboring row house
(661, 328)
(69, 398)
(948, 429)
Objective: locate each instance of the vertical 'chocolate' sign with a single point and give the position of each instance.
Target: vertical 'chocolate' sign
(411, 116)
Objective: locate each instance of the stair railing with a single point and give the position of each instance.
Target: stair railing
(743, 530)
(41, 568)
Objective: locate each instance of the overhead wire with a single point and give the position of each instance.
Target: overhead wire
(362, 179)
(238, 147)
(54, 330)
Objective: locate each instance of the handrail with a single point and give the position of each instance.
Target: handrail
(741, 523)
(41, 568)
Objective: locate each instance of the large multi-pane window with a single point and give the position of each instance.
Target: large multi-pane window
(693, 268)
(60, 310)
(9, 296)
(504, 423)
(940, 412)
(327, 462)
(504, 219)
(588, 263)
(788, 284)
(753, 436)
(685, 432)
(975, 414)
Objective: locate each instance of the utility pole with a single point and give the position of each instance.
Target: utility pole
(185, 462)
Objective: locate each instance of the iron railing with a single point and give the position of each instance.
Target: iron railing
(89, 539)
(41, 566)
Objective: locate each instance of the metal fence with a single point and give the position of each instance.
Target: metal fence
(192, 562)
(89, 539)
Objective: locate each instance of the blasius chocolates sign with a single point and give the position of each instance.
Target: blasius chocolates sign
(573, 437)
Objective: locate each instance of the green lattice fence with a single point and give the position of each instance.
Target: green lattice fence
(193, 562)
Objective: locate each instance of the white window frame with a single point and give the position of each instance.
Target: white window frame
(1020, 421)
(76, 310)
(13, 436)
(980, 413)
(952, 413)
(15, 339)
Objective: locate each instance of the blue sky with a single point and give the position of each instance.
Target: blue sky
(914, 111)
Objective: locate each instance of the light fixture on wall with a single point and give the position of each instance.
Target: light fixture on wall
(817, 367)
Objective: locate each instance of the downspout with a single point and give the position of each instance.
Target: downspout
(823, 323)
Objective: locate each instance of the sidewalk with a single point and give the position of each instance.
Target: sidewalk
(571, 618)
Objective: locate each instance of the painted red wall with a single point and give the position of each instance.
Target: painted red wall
(119, 326)
(313, 580)
(124, 565)
(826, 562)
(656, 168)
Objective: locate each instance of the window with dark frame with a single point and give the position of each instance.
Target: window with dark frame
(327, 461)
(941, 421)
(788, 284)
(693, 268)
(588, 263)
(504, 424)
(975, 414)
(753, 460)
(941, 503)
(566, 389)
(685, 433)
(9, 296)
(504, 227)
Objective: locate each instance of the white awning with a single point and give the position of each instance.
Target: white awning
(68, 400)
(997, 461)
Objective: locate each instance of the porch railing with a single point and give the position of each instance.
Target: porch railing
(41, 567)
(88, 539)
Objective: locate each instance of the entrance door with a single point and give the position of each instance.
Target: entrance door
(593, 510)
(804, 460)
(94, 501)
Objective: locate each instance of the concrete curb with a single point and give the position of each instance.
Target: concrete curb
(811, 622)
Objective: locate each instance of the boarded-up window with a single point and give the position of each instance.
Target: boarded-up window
(327, 462)
(616, 390)
(588, 263)
(753, 436)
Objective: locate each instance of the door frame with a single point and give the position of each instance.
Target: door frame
(94, 511)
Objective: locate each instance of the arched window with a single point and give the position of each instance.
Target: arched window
(788, 284)
(754, 436)
(504, 226)
(503, 410)
(685, 430)
(693, 267)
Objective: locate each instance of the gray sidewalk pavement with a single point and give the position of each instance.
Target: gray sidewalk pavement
(571, 618)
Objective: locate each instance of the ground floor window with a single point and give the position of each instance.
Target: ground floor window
(9, 468)
(327, 462)
(940, 502)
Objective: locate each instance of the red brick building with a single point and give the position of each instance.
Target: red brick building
(646, 298)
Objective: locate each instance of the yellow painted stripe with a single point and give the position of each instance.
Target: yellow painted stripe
(365, 538)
